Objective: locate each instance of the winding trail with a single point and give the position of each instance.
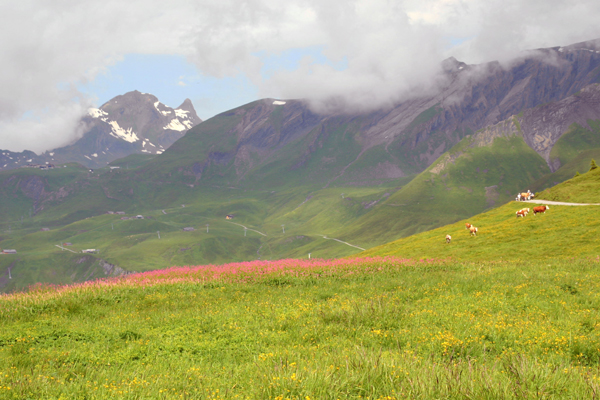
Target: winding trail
(61, 247)
(559, 203)
(253, 230)
(341, 241)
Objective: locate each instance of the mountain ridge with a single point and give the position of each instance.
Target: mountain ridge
(261, 137)
(132, 123)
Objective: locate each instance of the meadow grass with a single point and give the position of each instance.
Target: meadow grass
(379, 328)
(584, 188)
(561, 232)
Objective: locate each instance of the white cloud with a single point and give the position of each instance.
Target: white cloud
(392, 48)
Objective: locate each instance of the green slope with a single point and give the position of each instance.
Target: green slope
(576, 140)
(562, 232)
(463, 182)
(584, 188)
(579, 164)
(307, 213)
(26, 191)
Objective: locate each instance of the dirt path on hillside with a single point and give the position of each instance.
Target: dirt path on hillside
(341, 241)
(253, 230)
(61, 247)
(560, 203)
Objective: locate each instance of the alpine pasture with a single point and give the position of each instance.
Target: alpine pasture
(511, 313)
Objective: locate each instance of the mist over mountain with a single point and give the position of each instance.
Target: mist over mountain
(279, 142)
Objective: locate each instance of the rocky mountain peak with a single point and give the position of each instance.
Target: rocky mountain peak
(187, 106)
(130, 123)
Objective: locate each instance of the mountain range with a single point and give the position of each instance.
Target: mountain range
(265, 141)
(133, 123)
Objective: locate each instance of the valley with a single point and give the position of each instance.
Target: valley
(298, 182)
(510, 313)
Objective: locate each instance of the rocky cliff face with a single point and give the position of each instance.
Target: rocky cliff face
(483, 95)
(132, 123)
(541, 127)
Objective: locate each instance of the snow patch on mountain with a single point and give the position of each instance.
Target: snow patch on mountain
(278, 102)
(165, 113)
(181, 113)
(120, 133)
(176, 125)
(97, 113)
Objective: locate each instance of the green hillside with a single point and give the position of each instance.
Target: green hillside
(562, 232)
(584, 188)
(133, 160)
(463, 182)
(581, 164)
(336, 221)
(312, 217)
(316, 194)
(576, 140)
(26, 191)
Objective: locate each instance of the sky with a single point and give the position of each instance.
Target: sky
(59, 58)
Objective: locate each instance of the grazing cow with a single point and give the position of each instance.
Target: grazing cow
(448, 238)
(540, 209)
(522, 212)
(525, 196)
(473, 231)
(468, 226)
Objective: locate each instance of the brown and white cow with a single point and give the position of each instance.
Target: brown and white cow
(468, 226)
(473, 230)
(448, 238)
(522, 212)
(540, 209)
(525, 196)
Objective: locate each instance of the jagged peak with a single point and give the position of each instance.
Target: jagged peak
(187, 106)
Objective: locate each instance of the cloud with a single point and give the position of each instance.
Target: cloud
(50, 47)
(391, 49)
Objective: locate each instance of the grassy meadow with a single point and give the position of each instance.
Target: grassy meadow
(561, 232)
(375, 328)
(584, 188)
